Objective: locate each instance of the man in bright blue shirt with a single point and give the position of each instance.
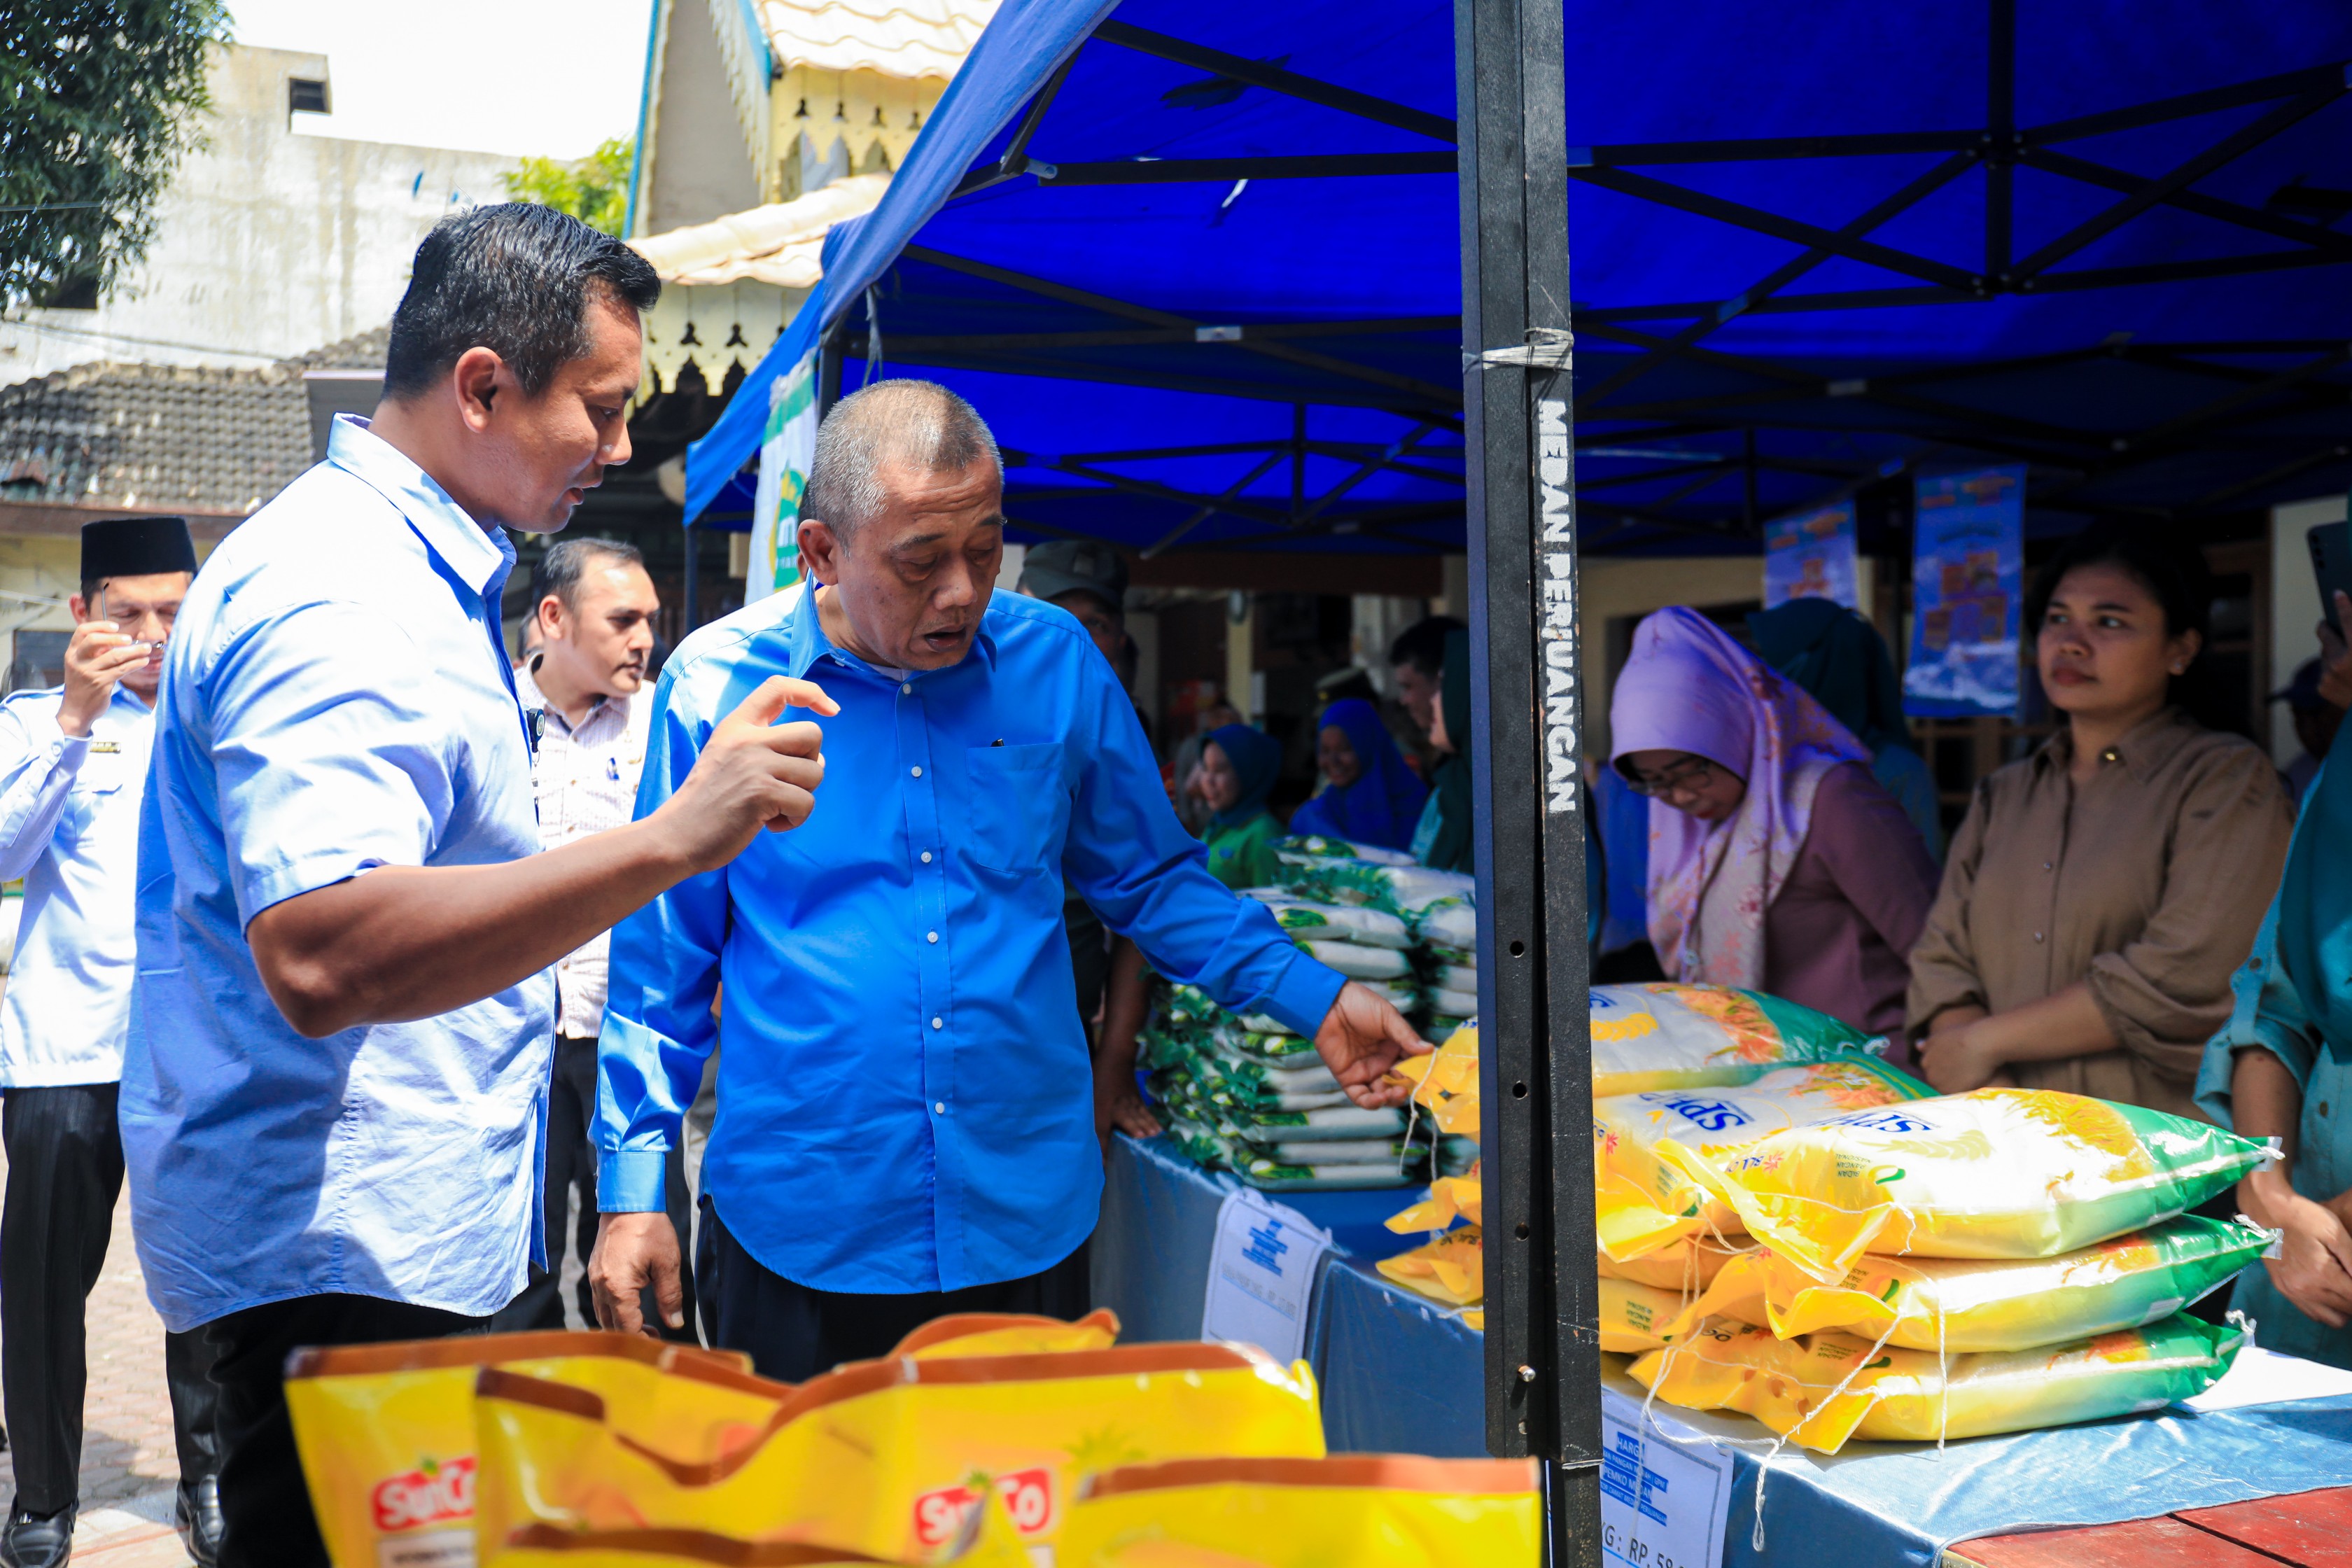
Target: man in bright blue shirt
(335, 1090)
(906, 1119)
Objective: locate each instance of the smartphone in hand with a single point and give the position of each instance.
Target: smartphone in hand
(2331, 563)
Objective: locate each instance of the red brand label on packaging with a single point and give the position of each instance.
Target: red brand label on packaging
(1028, 1497)
(434, 1495)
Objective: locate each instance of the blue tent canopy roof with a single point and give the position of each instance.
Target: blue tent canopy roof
(1205, 280)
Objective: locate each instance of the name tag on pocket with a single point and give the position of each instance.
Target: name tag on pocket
(105, 748)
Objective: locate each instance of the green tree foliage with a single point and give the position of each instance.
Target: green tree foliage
(595, 190)
(99, 98)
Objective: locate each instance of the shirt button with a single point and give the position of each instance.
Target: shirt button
(937, 1025)
(2037, 936)
(933, 936)
(918, 773)
(940, 1106)
(906, 689)
(2111, 755)
(927, 857)
(2046, 865)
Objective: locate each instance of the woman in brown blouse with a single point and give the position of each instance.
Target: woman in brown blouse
(2100, 893)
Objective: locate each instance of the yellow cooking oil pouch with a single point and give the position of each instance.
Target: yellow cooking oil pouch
(1966, 1304)
(886, 1458)
(988, 1540)
(386, 1432)
(1645, 1202)
(1999, 1172)
(1451, 1268)
(1669, 1035)
(1685, 1267)
(1009, 1333)
(1637, 1317)
(1445, 1081)
(1824, 1389)
(1449, 1198)
(1394, 1511)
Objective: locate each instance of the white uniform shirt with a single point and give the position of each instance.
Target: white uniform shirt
(69, 826)
(586, 780)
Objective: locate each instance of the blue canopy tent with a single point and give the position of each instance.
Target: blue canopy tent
(1237, 278)
(1200, 264)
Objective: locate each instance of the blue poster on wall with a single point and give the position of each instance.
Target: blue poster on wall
(1968, 580)
(1810, 556)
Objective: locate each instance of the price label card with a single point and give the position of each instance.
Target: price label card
(1261, 1275)
(1662, 1503)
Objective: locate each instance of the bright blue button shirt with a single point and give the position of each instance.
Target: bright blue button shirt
(334, 699)
(905, 1098)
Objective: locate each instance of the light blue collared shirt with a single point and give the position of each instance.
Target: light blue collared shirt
(69, 826)
(334, 699)
(904, 1099)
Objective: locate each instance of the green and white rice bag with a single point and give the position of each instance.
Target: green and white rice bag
(1451, 923)
(1340, 1121)
(1361, 962)
(1272, 1177)
(1454, 1003)
(1317, 846)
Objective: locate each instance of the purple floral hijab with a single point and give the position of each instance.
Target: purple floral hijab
(1689, 688)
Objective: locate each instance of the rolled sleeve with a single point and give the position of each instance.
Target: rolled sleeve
(1131, 859)
(325, 768)
(663, 976)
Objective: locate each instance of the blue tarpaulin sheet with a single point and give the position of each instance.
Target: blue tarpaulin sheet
(2079, 335)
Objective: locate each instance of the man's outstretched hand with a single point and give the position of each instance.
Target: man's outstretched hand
(753, 773)
(1361, 1038)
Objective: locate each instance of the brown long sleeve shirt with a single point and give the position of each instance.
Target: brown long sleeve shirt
(2147, 883)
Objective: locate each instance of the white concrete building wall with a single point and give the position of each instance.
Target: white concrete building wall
(276, 237)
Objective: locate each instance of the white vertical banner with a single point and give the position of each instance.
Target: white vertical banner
(1261, 1275)
(785, 453)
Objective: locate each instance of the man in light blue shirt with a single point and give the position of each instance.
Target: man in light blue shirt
(73, 766)
(334, 1097)
(906, 1122)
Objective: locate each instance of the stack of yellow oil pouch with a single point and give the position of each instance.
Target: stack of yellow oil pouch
(1637, 1317)
(386, 1432)
(1825, 1389)
(1962, 1305)
(1645, 1202)
(1685, 1267)
(888, 1458)
(2001, 1173)
(1669, 1035)
(1352, 1509)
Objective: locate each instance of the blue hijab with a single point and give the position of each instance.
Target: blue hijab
(1256, 759)
(1383, 805)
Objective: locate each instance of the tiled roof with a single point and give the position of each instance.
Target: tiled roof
(905, 38)
(364, 352)
(782, 243)
(149, 437)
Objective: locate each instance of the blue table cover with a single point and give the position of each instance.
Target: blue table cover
(1401, 1375)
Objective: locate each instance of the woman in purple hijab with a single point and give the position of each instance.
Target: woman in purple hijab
(1370, 795)
(1776, 862)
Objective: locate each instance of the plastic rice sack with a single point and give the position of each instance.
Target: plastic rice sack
(1449, 1268)
(1449, 1198)
(1359, 962)
(386, 1432)
(1445, 1081)
(1456, 977)
(1449, 923)
(1325, 847)
(1824, 1389)
(1349, 1122)
(1009, 1333)
(886, 1457)
(1390, 1152)
(1275, 1176)
(1637, 1317)
(1400, 889)
(1456, 1156)
(1999, 1172)
(1643, 1202)
(1367, 1511)
(1452, 1004)
(1961, 1304)
(1402, 995)
(1687, 1268)
(1337, 922)
(1668, 1035)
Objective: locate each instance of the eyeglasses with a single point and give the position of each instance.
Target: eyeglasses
(1690, 773)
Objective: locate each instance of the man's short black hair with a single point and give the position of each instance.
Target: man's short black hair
(516, 278)
(568, 559)
(1422, 644)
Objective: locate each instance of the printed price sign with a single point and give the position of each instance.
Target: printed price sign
(1261, 1275)
(1662, 1503)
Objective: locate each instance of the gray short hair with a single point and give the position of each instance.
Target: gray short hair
(918, 423)
(567, 561)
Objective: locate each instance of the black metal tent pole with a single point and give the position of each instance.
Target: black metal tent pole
(1543, 1361)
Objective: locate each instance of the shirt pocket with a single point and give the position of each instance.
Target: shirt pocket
(1020, 808)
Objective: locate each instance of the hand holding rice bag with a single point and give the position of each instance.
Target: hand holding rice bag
(1365, 1510)
(1794, 1387)
(1643, 1202)
(1999, 1172)
(1668, 1035)
(1445, 1081)
(1960, 1304)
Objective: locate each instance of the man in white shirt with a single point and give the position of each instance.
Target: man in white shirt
(593, 609)
(73, 766)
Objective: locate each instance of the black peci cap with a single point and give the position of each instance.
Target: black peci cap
(136, 547)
